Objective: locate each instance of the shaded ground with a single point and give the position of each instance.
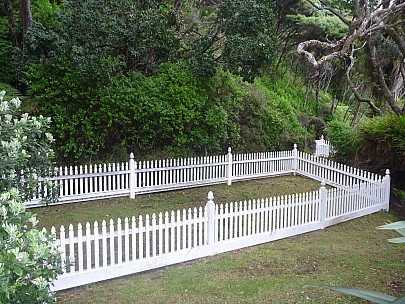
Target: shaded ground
(397, 205)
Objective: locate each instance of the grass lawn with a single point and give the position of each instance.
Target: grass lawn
(352, 254)
(174, 200)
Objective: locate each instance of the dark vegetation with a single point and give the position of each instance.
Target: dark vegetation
(176, 78)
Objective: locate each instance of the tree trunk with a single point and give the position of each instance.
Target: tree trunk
(25, 17)
(384, 92)
(308, 89)
(8, 6)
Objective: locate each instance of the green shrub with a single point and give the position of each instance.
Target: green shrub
(69, 95)
(6, 51)
(382, 140)
(342, 137)
(167, 110)
(285, 102)
(44, 11)
(29, 258)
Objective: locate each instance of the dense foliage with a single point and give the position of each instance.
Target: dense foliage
(29, 258)
(194, 77)
(120, 76)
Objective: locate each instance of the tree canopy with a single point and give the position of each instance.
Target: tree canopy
(376, 29)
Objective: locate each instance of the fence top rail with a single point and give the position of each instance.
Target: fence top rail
(189, 166)
(142, 167)
(340, 168)
(88, 175)
(260, 160)
(68, 169)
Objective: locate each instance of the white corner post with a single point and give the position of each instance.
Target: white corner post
(229, 168)
(210, 209)
(132, 176)
(387, 188)
(295, 160)
(323, 196)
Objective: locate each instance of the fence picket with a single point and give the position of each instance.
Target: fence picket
(154, 243)
(141, 239)
(104, 242)
(126, 239)
(64, 262)
(119, 241)
(159, 249)
(147, 236)
(96, 246)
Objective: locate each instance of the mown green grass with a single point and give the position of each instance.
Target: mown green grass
(174, 200)
(351, 254)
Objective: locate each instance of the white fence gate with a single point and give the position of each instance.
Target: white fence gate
(323, 147)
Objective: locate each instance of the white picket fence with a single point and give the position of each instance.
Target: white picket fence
(101, 251)
(81, 183)
(323, 147)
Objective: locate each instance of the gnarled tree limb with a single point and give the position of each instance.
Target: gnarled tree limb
(367, 26)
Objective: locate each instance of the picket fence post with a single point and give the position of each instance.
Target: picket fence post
(323, 195)
(295, 160)
(132, 176)
(210, 219)
(387, 186)
(229, 173)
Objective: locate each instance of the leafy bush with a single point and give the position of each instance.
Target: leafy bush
(44, 11)
(29, 258)
(64, 94)
(382, 140)
(251, 124)
(285, 102)
(248, 26)
(6, 50)
(342, 137)
(165, 110)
